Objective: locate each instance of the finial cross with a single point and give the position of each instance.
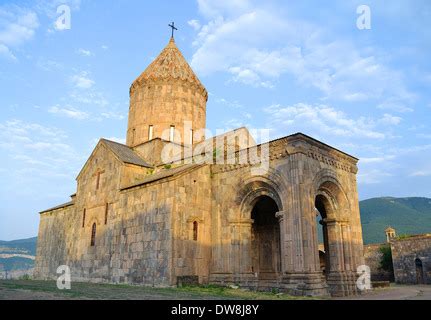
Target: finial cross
(173, 28)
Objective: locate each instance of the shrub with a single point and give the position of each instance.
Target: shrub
(403, 236)
(25, 277)
(386, 260)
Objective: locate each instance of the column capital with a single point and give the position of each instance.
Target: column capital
(280, 215)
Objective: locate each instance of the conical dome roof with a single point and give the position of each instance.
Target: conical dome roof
(170, 64)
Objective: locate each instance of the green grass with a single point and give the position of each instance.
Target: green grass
(49, 289)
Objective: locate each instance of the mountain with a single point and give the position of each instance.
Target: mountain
(406, 215)
(26, 245)
(17, 255)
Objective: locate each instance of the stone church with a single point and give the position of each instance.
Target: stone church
(139, 219)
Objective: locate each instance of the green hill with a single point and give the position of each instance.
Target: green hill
(27, 246)
(406, 215)
(17, 254)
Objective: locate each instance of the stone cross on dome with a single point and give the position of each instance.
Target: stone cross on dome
(172, 25)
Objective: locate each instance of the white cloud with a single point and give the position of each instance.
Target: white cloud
(395, 105)
(390, 119)
(104, 47)
(91, 98)
(113, 115)
(69, 112)
(282, 45)
(49, 7)
(210, 8)
(117, 139)
(421, 173)
(18, 135)
(16, 28)
(321, 119)
(372, 176)
(41, 156)
(82, 80)
(85, 53)
(49, 65)
(195, 24)
(381, 159)
(249, 77)
(227, 103)
(20, 30)
(4, 51)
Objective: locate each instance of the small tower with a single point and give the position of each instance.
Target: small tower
(167, 100)
(390, 234)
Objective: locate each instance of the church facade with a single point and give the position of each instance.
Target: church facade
(141, 219)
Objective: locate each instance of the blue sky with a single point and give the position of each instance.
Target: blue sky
(291, 66)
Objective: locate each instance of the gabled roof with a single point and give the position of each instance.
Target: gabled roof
(121, 152)
(170, 64)
(125, 154)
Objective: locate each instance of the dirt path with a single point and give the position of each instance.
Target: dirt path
(396, 292)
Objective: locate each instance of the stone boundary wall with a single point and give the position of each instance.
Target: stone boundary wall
(373, 258)
(405, 252)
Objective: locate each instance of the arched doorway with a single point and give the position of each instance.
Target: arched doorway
(321, 205)
(266, 256)
(419, 271)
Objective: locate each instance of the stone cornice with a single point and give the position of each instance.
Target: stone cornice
(144, 82)
(298, 143)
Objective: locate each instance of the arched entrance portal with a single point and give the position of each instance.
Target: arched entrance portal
(266, 257)
(321, 216)
(419, 271)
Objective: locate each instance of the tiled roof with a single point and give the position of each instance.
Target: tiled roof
(126, 154)
(170, 64)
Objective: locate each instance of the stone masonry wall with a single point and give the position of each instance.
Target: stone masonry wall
(405, 252)
(147, 238)
(51, 243)
(162, 104)
(373, 258)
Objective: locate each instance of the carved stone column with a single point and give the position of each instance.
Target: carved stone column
(241, 251)
(341, 279)
(346, 239)
(284, 246)
(335, 247)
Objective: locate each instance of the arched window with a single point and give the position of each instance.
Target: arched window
(150, 132)
(83, 219)
(106, 212)
(419, 271)
(172, 134)
(93, 235)
(98, 181)
(195, 231)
